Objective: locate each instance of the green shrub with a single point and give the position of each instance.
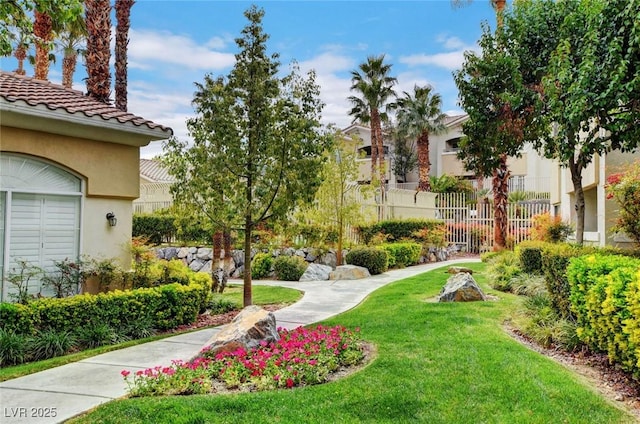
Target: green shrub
(530, 256)
(605, 299)
(375, 260)
(157, 229)
(162, 307)
(502, 269)
(13, 347)
(221, 305)
(555, 259)
(396, 230)
(289, 268)
(96, 335)
(261, 265)
(49, 344)
(489, 256)
(402, 254)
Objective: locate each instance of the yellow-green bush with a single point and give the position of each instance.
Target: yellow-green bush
(605, 299)
(402, 254)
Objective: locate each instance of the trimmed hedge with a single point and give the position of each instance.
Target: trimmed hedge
(402, 254)
(261, 265)
(605, 296)
(555, 259)
(156, 229)
(375, 260)
(530, 255)
(164, 307)
(397, 230)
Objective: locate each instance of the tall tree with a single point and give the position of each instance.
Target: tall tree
(501, 174)
(123, 15)
(405, 158)
(592, 87)
(419, 115)
(98, 55)
(14, 14)
(374, 85)
(20, 52)
(257, 143)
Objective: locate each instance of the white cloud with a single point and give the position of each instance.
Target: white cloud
(451, 42)
(450, 60)
(163, 47)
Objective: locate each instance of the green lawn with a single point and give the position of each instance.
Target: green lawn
(436, 363)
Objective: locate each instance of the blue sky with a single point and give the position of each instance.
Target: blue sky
(175, 43)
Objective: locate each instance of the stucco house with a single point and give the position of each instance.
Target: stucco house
(529, 172)
(67, 162)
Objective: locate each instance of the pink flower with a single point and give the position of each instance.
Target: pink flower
(125, 373)
(289, 383)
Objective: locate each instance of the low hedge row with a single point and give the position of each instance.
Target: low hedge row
(397, 230)
(402, 254)
(605, 297)
(165, 307)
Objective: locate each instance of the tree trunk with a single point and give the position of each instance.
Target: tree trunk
(43, 31)
(424, 166)
(576, 178)
(98, 20)
(68, 69)
(374, 144)
(500, 202)
(247, 295)
(123, 13)
(20, 54)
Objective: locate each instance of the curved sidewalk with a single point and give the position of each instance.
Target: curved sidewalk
(58, 394)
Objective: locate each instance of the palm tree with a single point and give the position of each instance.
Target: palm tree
(43, 33)
(500, 182)
(123, 14)
(374, 85)
(419, 115)
(20, 52)
(70, 37)
(98, 20)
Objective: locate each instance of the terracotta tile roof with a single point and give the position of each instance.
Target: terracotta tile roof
(14, 88)
(154, 171)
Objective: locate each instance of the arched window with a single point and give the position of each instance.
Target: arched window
(40, 212)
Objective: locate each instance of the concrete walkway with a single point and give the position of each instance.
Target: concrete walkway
(58, 394)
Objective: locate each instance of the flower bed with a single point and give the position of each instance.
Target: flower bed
(301, 357)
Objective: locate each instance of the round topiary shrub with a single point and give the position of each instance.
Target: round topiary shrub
(375, 260)
(261, 265)
(289, 268)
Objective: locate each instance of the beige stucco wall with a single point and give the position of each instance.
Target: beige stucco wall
(101, 241)
(109, 170)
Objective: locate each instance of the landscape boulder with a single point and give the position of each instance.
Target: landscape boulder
(461, 287)
(316, 272)
(349, 272)
(459, 269)
(250, 327)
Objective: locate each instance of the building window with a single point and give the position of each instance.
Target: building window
(452, 145)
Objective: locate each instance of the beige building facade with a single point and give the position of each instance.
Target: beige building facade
(66, 162)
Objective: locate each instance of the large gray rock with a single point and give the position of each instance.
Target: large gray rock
(170, 253)
(316, 272)
(459, 269)
(204, 253)
(251, 326)
(349, 272)
(461, 288)
(183, 252)
(196, 265)
(238, 258)
(329, 259)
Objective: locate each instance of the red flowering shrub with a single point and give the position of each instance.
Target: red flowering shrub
(301, 357)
